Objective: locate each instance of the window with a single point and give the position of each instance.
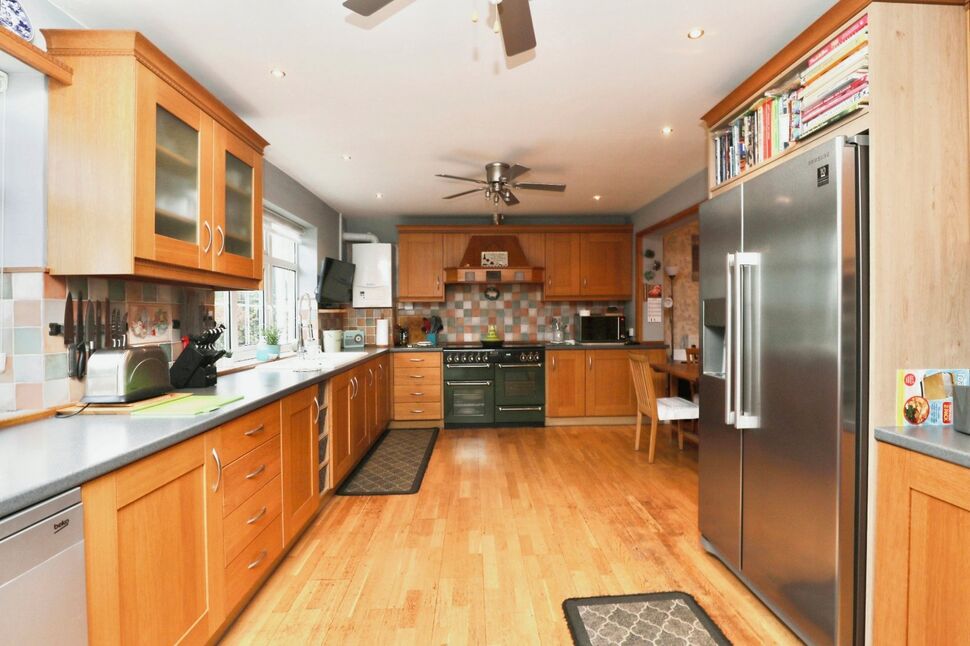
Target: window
(246, 314)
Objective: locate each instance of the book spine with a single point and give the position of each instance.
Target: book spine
(848, 105)
(846, 34)
(853, 86)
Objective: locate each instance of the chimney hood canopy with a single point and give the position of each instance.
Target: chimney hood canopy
(475, 268)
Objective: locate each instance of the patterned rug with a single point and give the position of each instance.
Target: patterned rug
(395, 465)
(661, 618)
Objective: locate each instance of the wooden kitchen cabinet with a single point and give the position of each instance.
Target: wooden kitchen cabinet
(358, 414)
(300, 460)
(341, 460)
(420, 267)
(383, 401)
(565, 383)
(563, 271)
(922, 576)
(453, 248)
(149, 174)
(417, 386)
(606, 261)
(146, 550)
(609, 384)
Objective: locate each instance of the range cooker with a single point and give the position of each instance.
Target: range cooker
(494, 387)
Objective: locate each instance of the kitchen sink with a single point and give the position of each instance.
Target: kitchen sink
(322, 361)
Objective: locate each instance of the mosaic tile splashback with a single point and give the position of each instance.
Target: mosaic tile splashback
(35, 375)
(519, 312)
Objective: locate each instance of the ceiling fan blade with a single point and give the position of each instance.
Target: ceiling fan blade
(366, 7)
(463, 179)
(517, 30)
(509, 198)
(532, 186)
(516, 170)
(451, 197)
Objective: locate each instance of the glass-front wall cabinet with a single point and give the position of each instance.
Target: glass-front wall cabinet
(176, 177)
(237, 213)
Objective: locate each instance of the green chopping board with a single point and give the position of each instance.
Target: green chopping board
(188, 406)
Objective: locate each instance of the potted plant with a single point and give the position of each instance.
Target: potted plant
(269, 349)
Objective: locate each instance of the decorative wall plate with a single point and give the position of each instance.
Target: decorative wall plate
(491, 293)
(14, 18)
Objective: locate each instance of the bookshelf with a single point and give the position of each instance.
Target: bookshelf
(821, 90)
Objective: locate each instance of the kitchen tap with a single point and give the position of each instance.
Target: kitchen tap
(306, 323)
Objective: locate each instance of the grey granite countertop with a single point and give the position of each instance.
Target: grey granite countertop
(940, 442)
(44, 458)
(645, 345)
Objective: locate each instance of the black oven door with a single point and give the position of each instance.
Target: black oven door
(520, 394)
(469, 403)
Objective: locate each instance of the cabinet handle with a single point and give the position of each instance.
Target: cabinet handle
(437, 281)
(259, 559)
(549, 282)
(259, 514)
(215, 456)
(589, 362)
(417, 394)
(256, 472)
(316, 418)
(208, 229)
(417, 411)
(416, 360)
(256, 431)
(370, 373)
(417, 376)
(585, 283)
(222, 238)
(553, 362)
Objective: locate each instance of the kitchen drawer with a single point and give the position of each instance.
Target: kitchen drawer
(417, 411)
(417, 392)
(245, 476)
(417, 376)
(254, 561)
(417, 359)
(241, 526)
(245, 433)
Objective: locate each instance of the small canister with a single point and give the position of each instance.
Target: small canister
(961, 409)
(332, 340)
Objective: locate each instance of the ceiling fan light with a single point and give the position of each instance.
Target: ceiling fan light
(497, 28)
(495, 2)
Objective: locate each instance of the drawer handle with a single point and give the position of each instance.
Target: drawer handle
(215, 456)
(260, 514)
(256, 472)
(416, 411)
(256, 431)
(259, 559)
(417, 376)
(416, 360)
(417, 394)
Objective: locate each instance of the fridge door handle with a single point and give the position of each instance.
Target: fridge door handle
(742, 419)
(729, 345)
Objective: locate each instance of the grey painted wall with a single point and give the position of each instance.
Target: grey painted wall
(385, 228)
(687, 193)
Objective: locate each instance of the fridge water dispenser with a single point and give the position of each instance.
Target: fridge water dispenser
(714, 320)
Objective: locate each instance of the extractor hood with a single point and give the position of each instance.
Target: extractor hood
(493, 259)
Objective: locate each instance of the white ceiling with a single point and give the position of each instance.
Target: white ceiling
(419, 89)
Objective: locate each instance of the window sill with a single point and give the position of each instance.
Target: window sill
(224, 367)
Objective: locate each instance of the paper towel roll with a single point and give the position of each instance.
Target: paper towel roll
(383, 335)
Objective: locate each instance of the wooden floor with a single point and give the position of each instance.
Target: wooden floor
(508, 524)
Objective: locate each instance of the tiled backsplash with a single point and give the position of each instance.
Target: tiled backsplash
(519, 312)
(35, 375)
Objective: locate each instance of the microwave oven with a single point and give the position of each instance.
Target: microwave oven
(608, 328)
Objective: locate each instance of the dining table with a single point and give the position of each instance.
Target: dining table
(679, 370)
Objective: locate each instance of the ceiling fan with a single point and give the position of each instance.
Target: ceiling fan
(514, 15)
(499, 181)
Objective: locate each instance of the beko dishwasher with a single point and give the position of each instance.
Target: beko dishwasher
(42, 583)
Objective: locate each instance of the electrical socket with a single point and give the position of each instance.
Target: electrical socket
(3, 81)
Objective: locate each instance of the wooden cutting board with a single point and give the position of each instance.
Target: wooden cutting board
(124, 409)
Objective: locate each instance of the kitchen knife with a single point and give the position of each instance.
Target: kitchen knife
(69, 336)
(106, 326)
(80, 356)
(96, 328)
(91, 331)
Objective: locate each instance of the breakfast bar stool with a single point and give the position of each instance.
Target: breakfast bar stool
(665, 409)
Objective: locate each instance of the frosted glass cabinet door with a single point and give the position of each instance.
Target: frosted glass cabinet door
(238, 213)
(173, 220)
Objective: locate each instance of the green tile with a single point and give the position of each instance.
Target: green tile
(55, 366)
(149, 293)
(116, 290)
(26, 340)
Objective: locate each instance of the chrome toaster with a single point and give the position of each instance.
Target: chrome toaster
(123, 375)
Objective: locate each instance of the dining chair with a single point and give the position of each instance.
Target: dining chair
(662, 409)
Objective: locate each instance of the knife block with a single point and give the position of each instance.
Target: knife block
(195, 368)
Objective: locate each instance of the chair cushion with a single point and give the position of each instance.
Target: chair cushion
(673, 408)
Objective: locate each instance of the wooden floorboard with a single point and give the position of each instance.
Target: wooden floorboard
(508, 523)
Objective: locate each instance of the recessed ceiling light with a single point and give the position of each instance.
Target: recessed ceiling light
(277, 73)
(597, 197)
(346, 157)
(380, 196)
(695, 33)
(667, 131)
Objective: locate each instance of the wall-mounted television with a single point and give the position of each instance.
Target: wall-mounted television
(335, 285)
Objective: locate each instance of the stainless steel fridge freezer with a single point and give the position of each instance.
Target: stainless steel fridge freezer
(783, 418)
